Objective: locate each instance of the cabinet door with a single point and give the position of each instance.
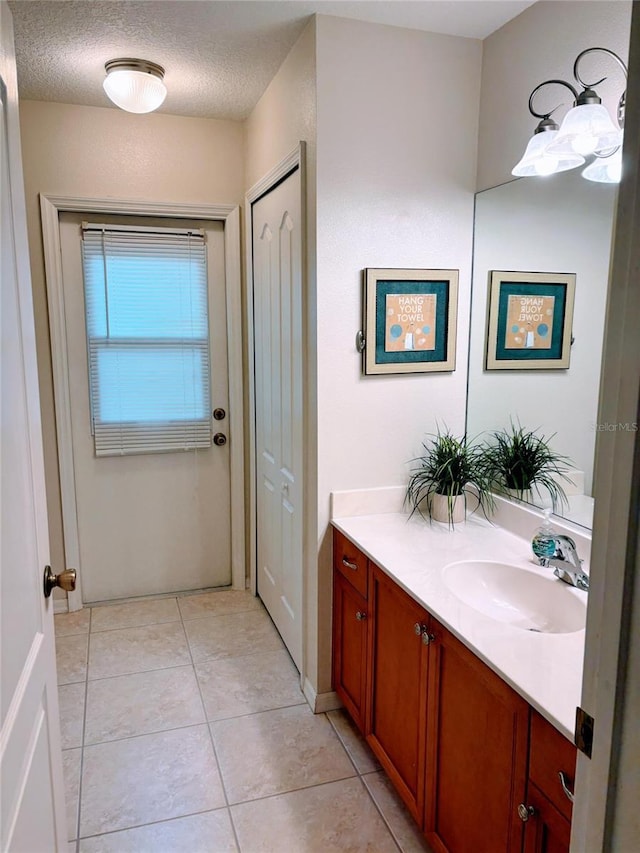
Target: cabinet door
(398, 660)
(477, 753)
(350, 621)
(546, 831)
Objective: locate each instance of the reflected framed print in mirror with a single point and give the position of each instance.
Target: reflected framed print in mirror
(530, 317)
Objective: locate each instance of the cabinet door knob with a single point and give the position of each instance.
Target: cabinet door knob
(427, 638)
(525, 812)
(419, 628)
(349, 564)
(360, 615)
(565, 787)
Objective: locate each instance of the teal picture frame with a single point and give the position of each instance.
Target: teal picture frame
(529, 323)
(410, 320)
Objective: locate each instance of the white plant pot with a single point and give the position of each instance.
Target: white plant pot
(440, 508)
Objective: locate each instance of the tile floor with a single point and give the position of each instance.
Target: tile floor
(185, 731)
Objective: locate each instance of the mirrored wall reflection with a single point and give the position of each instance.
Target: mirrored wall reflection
(560, 224)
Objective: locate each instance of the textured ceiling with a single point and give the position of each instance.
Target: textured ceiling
(219, 55)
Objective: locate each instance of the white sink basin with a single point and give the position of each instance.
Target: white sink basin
(517, 596)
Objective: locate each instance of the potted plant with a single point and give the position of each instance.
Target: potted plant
(449, 470)
(517, 460)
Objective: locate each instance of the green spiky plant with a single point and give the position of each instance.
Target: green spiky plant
(451, 467)
(517, 459)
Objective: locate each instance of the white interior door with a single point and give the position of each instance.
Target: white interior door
(33, 813)
(277, 283)
(156, 522)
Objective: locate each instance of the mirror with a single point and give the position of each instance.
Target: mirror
(562, 224)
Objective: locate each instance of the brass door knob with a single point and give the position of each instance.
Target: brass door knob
(65, 580)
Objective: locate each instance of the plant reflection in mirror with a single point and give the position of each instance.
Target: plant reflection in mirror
(515, 460)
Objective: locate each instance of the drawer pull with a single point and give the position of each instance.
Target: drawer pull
(361, 615)
(525, 812)
(349, 564)
(565, 787)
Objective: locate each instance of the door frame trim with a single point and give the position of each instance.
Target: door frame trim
(51, 206)
(295, 159)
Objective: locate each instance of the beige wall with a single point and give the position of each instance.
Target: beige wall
(397, 132)
(96, 152)
(542, 43)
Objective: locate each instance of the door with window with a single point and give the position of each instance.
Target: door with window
(277, 285)
(147, 353)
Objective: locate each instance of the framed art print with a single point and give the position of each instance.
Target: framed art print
(530, 319)
(410, 320)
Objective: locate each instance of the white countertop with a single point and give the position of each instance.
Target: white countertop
(544, 668)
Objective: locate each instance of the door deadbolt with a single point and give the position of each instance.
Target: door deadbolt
(219, 439)
(65, 580)
(219, 414)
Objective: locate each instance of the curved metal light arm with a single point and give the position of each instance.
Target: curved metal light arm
(596, 50)
(545, 116)
(588, 86)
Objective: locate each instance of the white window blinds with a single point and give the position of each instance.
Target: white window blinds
(148, 339)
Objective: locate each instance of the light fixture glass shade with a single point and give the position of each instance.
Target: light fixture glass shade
(585, 130)
(537, 161)
(134, 89)
(605, 170)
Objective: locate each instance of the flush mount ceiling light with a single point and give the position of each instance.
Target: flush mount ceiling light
(587, 130)
(135, 85)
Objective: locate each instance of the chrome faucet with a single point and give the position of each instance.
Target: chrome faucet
(565, 561)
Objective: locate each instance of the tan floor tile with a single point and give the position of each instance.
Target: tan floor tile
(137, 650)
(71, 658)
(278, 751)
(141, 780)
(76, 622)
(218, 603)
(202, 833)
(244, 685)
(142, 703)
(71, 701)
(353, 742)
(327, 819)
(134, 613)
(234, 635)
(71, 769)
(403, 827)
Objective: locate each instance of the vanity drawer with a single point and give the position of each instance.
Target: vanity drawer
(350, 562)
(550, 754)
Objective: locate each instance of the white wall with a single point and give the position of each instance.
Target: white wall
(559, 224)
(397, 131)
(542, 43)
(284, 116)
(94, 151)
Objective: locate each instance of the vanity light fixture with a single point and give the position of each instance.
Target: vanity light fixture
(536, 159)
(135, 85)
(587, 130)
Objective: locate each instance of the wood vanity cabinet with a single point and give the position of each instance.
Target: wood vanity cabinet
(477, 741)
(396, 715)
(548, 827)
(452, 736)
(350, 627)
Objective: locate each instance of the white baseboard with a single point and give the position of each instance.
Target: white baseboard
(60, 605)
(320, 702)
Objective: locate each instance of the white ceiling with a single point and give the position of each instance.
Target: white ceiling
(219, 55)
